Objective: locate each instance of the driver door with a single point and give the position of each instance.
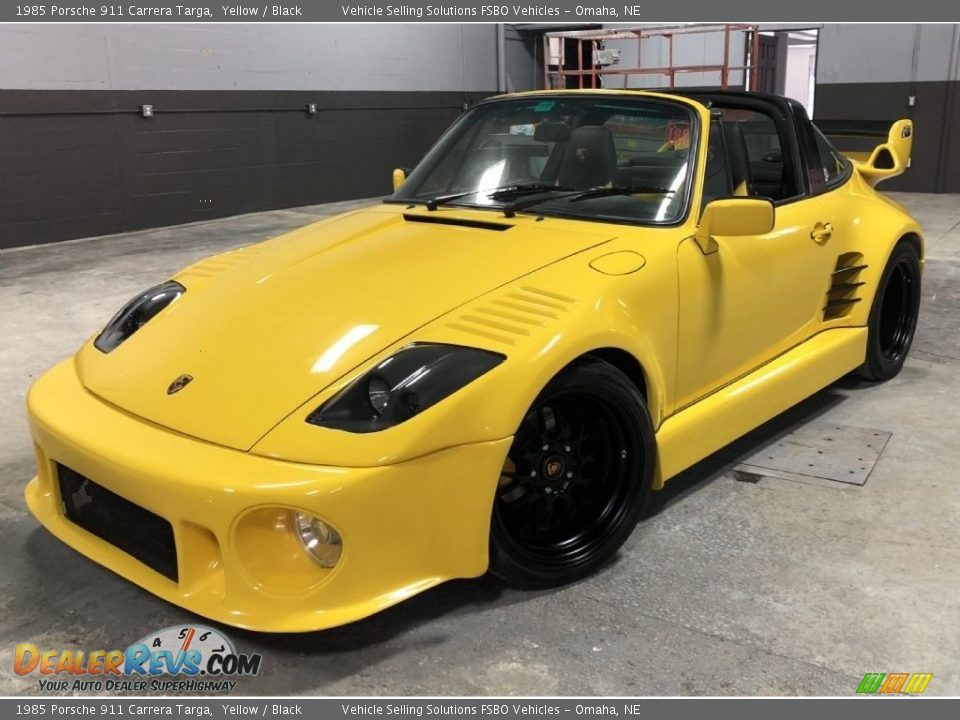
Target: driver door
(756, 296)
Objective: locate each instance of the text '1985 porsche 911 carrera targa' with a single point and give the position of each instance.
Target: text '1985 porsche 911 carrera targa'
(573, 297)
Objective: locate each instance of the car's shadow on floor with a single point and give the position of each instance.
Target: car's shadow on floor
(451, 598)
(724, 460)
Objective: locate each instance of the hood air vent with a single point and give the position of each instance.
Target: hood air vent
(462, 222)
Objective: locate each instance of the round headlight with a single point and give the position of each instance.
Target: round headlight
(378, 393)
(320, 540)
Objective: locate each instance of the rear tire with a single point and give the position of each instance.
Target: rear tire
(893, 316)
(576, 478)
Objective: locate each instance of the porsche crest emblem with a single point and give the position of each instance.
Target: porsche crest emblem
(179, 384)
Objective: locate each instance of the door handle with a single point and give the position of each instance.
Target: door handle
(821, 232)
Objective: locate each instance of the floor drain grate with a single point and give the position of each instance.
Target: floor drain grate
(817, 451)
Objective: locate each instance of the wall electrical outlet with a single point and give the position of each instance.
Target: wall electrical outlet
(146, 110)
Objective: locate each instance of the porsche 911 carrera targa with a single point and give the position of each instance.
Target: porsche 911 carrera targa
(573, 297)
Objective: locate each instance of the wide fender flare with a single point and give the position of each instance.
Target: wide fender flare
(531, 371)
(880, 234)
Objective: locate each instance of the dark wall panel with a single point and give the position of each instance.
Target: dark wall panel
(950, 162)
(80, 163)
(934, 164)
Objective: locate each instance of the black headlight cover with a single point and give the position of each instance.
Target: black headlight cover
(137, 313)
(417, 377)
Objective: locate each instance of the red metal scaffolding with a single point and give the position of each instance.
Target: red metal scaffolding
(556, 76)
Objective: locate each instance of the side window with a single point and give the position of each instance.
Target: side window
(718, 181)
(769, 175)
(834, 164)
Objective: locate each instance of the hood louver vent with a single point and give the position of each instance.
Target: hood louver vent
(514, 314)
(845, 284)
(211, 267)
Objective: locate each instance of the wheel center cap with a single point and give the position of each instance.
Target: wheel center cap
(553, 467)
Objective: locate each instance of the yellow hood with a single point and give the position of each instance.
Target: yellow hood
(262, 330)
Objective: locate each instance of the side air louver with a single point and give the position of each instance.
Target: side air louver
(845, 284)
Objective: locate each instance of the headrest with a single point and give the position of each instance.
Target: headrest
(552, 132)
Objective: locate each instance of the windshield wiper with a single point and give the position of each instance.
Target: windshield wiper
(434, 203)
(495, 194)
(576, 195)
(523, 189)
(619, 190)
(511, 209)
(500, 193)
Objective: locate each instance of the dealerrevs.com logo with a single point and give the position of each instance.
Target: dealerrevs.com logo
(175, 659)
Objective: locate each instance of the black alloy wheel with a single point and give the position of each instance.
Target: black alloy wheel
(893, 316)
(576, 478)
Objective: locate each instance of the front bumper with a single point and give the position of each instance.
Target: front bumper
(405, 527)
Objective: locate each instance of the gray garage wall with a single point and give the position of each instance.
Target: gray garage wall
(523, 59)
(870, 72)
(230, 133)
(248, 57)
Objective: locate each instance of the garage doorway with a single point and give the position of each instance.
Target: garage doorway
(787, 64)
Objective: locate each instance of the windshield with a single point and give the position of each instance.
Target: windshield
(633, 154)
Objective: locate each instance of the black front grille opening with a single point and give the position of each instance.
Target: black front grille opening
(123, 524)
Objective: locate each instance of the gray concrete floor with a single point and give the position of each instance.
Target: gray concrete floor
(774, 587)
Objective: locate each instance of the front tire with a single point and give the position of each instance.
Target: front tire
(576, 478)
(893, 316)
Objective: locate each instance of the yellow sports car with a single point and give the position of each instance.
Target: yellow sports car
(572, 298)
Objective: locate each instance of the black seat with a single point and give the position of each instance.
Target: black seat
(718, 180)
(736, 144)
(589, 159)
(767, 169)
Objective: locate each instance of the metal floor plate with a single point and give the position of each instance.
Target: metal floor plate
(818, 451)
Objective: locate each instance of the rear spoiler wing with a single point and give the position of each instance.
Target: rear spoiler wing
(879, 150)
